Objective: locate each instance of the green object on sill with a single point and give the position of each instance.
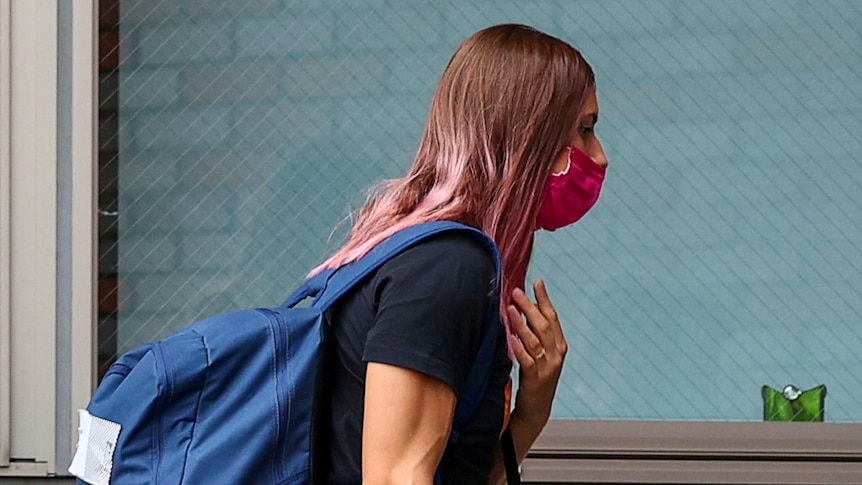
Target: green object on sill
(792, 404)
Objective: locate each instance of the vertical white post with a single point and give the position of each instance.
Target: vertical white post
(5, 230)
(84, 210)
(33, 232)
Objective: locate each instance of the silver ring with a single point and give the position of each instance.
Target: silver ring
(540, 356)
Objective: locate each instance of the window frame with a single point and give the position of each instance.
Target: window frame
(571, 451)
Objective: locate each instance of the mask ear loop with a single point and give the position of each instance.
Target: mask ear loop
(568, 164)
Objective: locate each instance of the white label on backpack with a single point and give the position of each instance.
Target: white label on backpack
(94, 457)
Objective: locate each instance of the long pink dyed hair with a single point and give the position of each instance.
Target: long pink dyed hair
(503, 110)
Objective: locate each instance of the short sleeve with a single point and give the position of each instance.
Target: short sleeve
(432, 301)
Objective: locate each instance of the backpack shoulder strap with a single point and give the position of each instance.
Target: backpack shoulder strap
(329, 285)
(480, 374)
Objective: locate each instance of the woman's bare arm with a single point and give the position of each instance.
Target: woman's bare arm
(408, 418)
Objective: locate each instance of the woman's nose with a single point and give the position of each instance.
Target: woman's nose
(598, 154)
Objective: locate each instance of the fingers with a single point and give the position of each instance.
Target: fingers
(536, 319)
(538, 323)
(521, 354)
(548, 310)
(527, 346)
(543, 324)
(544, 302)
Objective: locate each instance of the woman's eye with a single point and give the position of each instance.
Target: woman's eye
(586, 130)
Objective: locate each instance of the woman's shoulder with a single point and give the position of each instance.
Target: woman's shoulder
(458, 250)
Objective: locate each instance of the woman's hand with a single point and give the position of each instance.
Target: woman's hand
(540, 349)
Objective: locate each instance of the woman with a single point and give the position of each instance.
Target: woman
(508, 148)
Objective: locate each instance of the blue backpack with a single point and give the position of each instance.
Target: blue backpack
(231, 399)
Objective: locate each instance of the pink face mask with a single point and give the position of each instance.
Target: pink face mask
(571, 194)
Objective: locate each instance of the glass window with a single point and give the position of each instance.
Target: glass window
(724, 254)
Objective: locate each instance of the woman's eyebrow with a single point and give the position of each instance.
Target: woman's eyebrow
(594, 117)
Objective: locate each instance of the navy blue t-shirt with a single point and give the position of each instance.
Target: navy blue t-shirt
(423, 310)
